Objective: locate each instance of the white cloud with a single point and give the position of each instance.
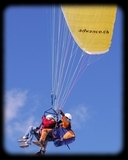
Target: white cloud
(16, 122)
(13, 101)
(80, 116)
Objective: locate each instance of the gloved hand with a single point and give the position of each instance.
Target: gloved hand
(60, 111)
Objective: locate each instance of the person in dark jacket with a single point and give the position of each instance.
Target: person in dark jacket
(64, 134)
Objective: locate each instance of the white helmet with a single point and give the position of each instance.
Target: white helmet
(68, 115)
(49, 116)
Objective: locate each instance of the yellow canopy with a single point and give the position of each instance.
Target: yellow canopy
(91, 26)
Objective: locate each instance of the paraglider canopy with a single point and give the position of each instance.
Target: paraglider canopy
(81, 35)
(91, 26)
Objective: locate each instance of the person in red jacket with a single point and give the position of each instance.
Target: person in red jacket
(49, 123)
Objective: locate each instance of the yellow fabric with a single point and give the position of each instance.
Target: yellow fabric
(91, 26)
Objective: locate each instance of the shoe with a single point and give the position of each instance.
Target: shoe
(22, 140)
(24, 145)
(40, 153)
(38, 143)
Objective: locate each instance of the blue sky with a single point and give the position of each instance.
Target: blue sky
(95, 102)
